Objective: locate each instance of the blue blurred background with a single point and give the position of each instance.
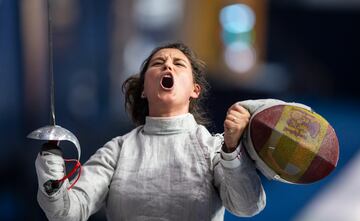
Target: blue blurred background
(300, 50)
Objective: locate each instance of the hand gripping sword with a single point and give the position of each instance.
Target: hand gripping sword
(54, 133)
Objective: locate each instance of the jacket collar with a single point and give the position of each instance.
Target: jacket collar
(169, 125)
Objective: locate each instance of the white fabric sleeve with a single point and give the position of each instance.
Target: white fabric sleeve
(230, 160)
(238, 183)
(89, 193)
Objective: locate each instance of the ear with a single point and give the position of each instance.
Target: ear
(196, 91)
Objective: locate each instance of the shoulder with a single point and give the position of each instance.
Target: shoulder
(111, 149)
(213, 141)
(116, 143)
(202, 131)
(119, 140)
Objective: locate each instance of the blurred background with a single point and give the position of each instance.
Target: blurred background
(299, 50)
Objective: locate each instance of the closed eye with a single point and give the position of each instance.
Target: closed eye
(157, 62)
(180, 64)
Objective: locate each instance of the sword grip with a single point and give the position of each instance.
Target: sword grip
(52, 146)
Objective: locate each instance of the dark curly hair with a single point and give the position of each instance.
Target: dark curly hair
(134, 85)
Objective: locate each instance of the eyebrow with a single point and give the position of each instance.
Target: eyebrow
(163, 59)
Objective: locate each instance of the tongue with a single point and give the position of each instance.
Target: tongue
(167, 82)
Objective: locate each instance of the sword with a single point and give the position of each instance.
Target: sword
(54, 133)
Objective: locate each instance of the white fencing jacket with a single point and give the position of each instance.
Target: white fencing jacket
(168, 169)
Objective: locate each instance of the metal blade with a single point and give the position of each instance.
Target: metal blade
(51, 68)
(53, 131)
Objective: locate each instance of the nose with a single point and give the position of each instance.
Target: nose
(168, 65)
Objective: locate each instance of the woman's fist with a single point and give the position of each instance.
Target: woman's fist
(236, 120)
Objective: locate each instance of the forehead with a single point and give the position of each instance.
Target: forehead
(170, 52)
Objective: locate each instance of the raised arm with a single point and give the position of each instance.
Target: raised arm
(89, 193)
(235, 175)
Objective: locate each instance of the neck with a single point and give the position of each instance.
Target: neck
(165, 111)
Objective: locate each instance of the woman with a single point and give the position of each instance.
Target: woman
(169, 167)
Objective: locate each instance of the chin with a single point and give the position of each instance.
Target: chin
(170, 100)
(167, 100)
(166, 95)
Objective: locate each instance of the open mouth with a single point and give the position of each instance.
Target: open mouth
(167, 81)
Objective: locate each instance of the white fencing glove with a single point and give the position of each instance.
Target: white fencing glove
(49, 165)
